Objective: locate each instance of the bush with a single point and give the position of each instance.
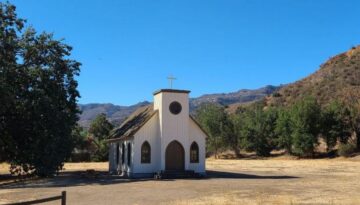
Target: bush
(276, 94)
(346, 150)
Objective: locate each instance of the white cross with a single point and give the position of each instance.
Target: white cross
(171, 79)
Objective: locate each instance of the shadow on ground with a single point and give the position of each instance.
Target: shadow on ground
(232, 175)
(78, 178)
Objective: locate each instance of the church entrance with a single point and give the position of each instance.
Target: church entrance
(174, 157)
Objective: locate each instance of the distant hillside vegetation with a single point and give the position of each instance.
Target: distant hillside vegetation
(338, 78)
(116, 114)
(234, 98)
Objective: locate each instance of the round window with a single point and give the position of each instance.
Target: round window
(175, 108)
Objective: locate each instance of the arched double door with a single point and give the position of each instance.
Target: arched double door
(174, 157)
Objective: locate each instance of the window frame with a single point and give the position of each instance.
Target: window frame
(123, 153)
(194, 147)
(129, 154)
(145, 159)
(117, 153)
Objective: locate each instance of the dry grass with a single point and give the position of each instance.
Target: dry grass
(321, 181)
(99, 166)
(4, 168)
(234, 199)
(280, 180)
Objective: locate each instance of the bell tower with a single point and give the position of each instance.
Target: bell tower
(173, 108)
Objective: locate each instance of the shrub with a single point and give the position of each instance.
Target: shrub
(346, 150)
(276, 94)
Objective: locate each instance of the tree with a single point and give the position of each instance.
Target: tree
(80, 138)
(355, 123)
(38, 94)
(354, 107)
(213, 119)
(335, 124)
(283, 130)
(258, 130)
(305, 117)
(229, 135)
(237, 122)
(100, 129)
(10, 25)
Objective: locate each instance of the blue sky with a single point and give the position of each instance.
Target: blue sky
(129, 47)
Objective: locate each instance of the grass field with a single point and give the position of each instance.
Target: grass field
(272, 181)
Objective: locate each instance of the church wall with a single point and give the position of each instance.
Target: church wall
(197, 135)
(149, 132)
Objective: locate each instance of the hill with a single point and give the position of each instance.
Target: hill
(233, 98)
(116, 114)
(338, 78)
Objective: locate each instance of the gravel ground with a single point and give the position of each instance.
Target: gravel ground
(276, 181)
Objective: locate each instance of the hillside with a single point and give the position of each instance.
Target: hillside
(116, 114)
(338, 78)
(239, 97)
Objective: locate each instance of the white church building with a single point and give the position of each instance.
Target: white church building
(161, 137)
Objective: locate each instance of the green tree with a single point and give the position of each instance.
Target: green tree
(354, 109)
(229, 135)
(80, 137)
(38, 94)
(100, 129)
(283, 130)
(305, 117)
(355, 123)
(237, 120)
(213, 119)
(335, 124)
(258, 130)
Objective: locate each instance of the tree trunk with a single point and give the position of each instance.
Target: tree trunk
(357, 136)
(216, 148)
(236, 151)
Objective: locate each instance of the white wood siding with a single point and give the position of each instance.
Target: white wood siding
(197, 135)
(149, 132)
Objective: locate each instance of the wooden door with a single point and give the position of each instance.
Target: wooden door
(174, 157)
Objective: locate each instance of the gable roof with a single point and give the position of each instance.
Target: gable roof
(133, 123)
(136, 120)
(171, 91)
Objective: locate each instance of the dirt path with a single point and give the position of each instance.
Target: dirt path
(229, 182)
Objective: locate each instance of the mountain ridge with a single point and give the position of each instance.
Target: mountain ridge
(117, 113)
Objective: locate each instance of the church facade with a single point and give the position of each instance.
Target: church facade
(159, 137)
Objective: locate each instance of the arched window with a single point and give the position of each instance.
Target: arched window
(123, 153)
(129, 154)
(194, 153)
(145, 152)
(117, 153)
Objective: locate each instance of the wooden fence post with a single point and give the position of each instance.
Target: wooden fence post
(63, 198)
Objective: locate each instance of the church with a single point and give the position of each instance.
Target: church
(161, 137)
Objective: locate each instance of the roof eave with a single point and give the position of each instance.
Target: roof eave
(171, 91)
(124, 137)
(202, 129)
